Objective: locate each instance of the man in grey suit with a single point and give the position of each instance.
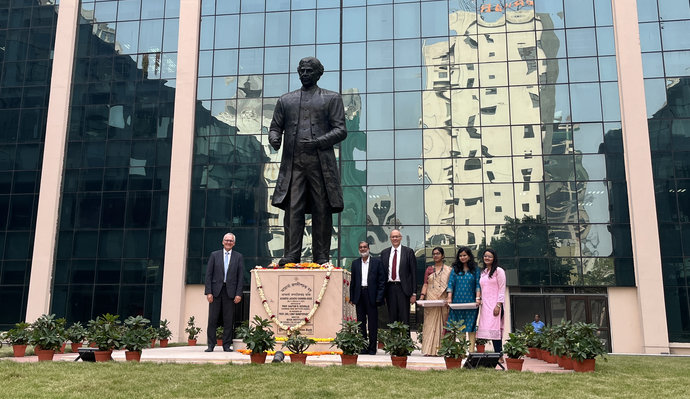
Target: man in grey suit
(366, 293)
(223, 291)
(309, 122)
(401, 287)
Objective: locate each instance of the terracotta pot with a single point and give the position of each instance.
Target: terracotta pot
(453, 363)
(133, 356)
(219, 342)
(585, 366)
(75, 346)
(153, 343)
(103, 356)
(568, 363)
(533, 353)
(346, 360)
(540, 354)
(379, 345)
(62, 348)
(514, 364)
(19, 350)
(259, 358)
(298, 358)
(480, 348)
(549, 357)
(399, 361)
(164, 343)
(44, 355)
(191, 342)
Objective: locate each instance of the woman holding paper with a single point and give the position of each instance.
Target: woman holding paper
(493, 283)
(463, 287)
(434, 288)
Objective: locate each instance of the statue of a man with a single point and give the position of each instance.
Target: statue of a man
(311, 120)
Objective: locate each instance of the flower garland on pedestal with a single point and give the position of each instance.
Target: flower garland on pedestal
(272, 316)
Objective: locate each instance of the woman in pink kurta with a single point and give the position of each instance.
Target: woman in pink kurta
(493, 284)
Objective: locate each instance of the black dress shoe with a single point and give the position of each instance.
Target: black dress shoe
(209, 349)
(364, 352)
(228, 349)
(372, 352)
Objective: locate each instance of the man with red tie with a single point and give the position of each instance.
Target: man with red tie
(401, 286)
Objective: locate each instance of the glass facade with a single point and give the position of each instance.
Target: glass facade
(665, 59)
(111, 234)
(27, 34)
(469, 123)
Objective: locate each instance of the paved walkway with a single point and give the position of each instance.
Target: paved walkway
(196, 354)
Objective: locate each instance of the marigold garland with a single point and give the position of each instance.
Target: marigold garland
(315, 353)
(272, 316)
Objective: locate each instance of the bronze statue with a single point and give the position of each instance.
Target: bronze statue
(312, 121)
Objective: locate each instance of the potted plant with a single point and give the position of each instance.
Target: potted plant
(19, 337)
(586, 347)
(192, 331)
(153, 334)
(531, 338)
(515, 348)
(61, 323)
(46, 337)
(164, 333)
(454, 345)
(258, 337)
(381, 333)
(398, 343)
(106, 334)
(351, 341)
(298, 344)
(76, 334)
(481, 344)
(547, 338)
(219, 335)
(136, 336)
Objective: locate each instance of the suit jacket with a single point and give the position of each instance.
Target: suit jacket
(328, 128)
(376, 280)
(215, 274)
(407, 268)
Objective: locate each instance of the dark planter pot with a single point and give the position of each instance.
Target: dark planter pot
(153, 343)
(44, 355)
(346, 360)
(480, 348)
(514, 364)
(103, 356)
(133, 356)
(19, 350)
(399, 361)
(453, 363)
(164, 343)
(585, 366)
(191, 342)
(298, 358)
(533, 353)
(75, 346)
(259, 358)
(219, 342)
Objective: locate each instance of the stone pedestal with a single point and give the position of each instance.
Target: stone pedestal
(291, 294)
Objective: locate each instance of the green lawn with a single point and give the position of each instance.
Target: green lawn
(620, 377)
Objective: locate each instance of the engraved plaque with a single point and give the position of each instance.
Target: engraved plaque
(295, 299)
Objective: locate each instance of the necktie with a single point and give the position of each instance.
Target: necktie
(227, 261)
(394, 271)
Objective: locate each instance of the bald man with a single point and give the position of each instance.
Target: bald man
(401, 287)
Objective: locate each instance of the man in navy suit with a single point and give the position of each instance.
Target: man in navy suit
(401, 265)
(366, 293)
(223, 291)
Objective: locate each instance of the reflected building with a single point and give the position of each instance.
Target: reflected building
(470, 122)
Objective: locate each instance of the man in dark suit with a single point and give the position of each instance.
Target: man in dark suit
(223, 291)
(366, 293)
(402, 285)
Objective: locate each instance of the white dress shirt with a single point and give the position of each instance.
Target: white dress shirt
(390, 264)
(365, 271)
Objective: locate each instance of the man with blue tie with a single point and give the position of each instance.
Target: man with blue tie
(223, 291)
(366, 293)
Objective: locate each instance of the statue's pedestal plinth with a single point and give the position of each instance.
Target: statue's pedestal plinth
(291, 295)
